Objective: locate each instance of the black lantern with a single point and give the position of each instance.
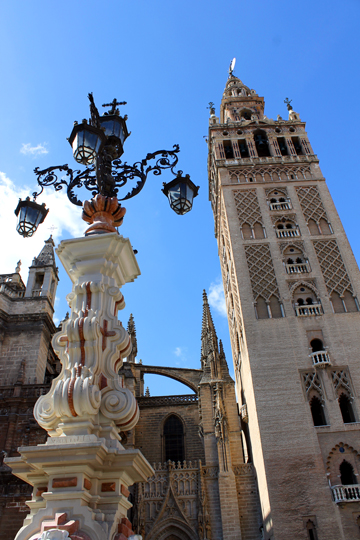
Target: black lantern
(31, 215)
(86, 141)
(116, 131)
(180, 193)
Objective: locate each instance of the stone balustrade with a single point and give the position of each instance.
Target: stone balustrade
(343, 494)
(320, 359)
(308, 311)
(280, 206)
(287, 233)
(297, 268)
(157, 401)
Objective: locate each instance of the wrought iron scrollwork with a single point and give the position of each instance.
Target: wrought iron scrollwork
(106, 177)
(108, 173)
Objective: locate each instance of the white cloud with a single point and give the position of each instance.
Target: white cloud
(181, 353)
(63, 216)
(27, 149)
(216, 297)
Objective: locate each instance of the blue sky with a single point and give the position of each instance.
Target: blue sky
(168, 60)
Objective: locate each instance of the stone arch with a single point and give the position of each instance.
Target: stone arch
(336, 449)
(304, 284)
(284, 219)
(338, 454)
(172, 527)
(292, 245)
(278, 190)
(189, 377)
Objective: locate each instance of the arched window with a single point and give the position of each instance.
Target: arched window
(258, 230)
(313, 228)
(317, 412)
(246, 231)
(295, 261)
(246, 114)
(346, 409)
(275, 307)
(286, 228)
(316, 345)
(349, 302)
(261, 143)
(347, 475)
(311, 530)
(283, 147)
(337, 303)
(174, 439)
(261, 308)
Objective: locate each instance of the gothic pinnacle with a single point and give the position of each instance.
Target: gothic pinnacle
(132, 332)
(208, 332)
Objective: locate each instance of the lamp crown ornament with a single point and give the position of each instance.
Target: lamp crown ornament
(98, 144)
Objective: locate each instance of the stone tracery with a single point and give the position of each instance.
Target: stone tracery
(332, 266)
(261, 270)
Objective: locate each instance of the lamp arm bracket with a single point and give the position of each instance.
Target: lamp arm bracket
(75, 179)
(122, 172)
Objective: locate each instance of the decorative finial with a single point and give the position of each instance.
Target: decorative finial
(211, 107)
(18, 266)
(147, 392)
(113, 106)
(287, 101)
(232, 67)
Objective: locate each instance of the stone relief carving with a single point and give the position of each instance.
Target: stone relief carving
(270, 174)
(261, 270)
(247, 207)
(332, 266)
(341, 379)
(311, 203)
(176, 496)
(311, 380)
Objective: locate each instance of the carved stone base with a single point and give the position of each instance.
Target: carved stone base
(80, 486)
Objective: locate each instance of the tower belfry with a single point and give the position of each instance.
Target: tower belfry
(43, 274)
(291, 284)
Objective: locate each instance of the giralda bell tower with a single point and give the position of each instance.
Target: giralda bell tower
(291, 284)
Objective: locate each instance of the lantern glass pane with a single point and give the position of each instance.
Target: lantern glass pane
(113, 127)
(32, 216)
(189, 194)
(85, 146)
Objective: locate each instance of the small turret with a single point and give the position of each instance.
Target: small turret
(43, 274)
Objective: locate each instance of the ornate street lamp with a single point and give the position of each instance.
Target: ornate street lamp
(98, 144)
(180, 193)
(31, 214)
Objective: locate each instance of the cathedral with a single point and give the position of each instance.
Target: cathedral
(272, 455)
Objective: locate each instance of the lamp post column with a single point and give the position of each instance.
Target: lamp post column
(82, 473)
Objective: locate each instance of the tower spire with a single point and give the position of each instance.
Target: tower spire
(209, 340)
